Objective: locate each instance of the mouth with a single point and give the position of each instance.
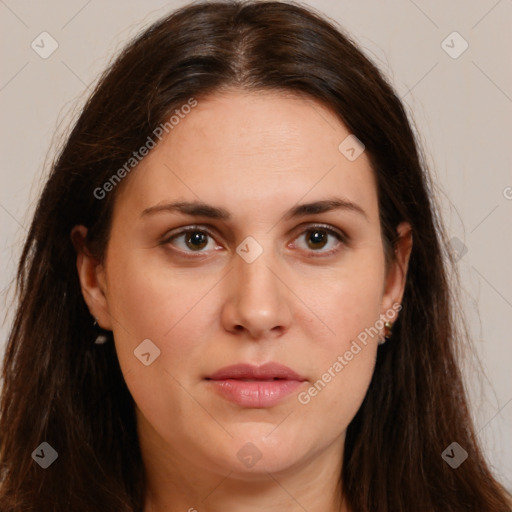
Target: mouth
(255, 387)
(248, 372)
(254, 380)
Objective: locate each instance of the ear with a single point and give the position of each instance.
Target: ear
(397, 273)
(92, 279)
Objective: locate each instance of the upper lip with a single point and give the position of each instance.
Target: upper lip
(266, 371)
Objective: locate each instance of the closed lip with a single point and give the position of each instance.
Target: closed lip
(267, 371)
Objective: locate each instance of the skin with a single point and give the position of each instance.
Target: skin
(257, 155)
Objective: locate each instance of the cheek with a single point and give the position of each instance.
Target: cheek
(154, 303)
(173, 311)
(349, 301)
(342, 363)
(343, 359)
(148, 296)
(337, 394)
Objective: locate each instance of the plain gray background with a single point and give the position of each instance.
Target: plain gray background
(460, 100)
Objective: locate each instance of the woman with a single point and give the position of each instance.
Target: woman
(233, 295)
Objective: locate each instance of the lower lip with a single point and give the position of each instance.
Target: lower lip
(258, 394)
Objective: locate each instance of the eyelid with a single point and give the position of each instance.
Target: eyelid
(311, 226)
(183, 230)
(307, 226)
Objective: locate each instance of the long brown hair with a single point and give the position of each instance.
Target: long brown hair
(61, 388)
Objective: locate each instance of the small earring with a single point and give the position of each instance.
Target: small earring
(387, 333)
(101, 337)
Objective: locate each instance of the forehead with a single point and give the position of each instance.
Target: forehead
(247, 149)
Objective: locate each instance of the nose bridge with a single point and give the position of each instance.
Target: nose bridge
(254, 257)
(257, 277)
(258, 286)
(258, 300)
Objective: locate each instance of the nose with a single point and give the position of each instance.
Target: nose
(258, 300)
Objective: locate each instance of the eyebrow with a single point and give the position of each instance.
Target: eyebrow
(200, 209)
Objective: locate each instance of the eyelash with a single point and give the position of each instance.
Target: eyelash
(201, 229)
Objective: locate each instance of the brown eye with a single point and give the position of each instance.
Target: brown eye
(190, 240)
(317, 238)
(196, 239)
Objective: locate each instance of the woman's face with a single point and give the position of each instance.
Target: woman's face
(259, 279)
